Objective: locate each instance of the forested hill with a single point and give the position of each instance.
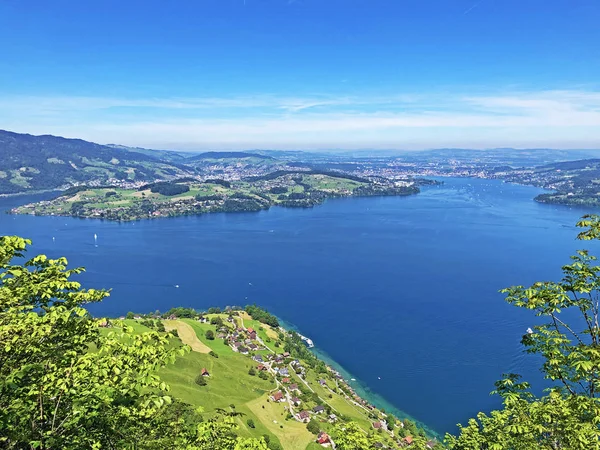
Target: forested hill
(48, 162)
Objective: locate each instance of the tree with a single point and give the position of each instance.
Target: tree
(568, 415)
(251, 444)
(216, 434)
(130, 315)
(349, 436)
(54, 392)
(219, 434)
(313, 426)
(250, 423)
(210, 335)
(200, 380)
(252, 371)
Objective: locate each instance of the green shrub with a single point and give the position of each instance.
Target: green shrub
(313, 426)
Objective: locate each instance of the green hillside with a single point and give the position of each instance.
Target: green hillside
(236, 384)
(190, 197)
(35, 163)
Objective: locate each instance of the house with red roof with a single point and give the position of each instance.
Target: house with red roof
(323, 438)
(303, 416)
(277, 397)
(408, 440)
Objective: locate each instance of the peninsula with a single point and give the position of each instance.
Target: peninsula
(190, 196)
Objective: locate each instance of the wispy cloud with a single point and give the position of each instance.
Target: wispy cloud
(472, 7)
(554, 118)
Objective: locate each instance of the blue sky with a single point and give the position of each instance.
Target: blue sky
(304, 74)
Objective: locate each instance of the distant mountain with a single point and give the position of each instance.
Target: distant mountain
(164, 155)
(226, 155)
(573, 165)
(31, 163)
(501, 156)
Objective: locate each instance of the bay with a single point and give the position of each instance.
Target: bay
(401, 292)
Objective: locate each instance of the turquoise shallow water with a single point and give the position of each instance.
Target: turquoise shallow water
(401, 292)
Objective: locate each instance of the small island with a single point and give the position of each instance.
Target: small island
(190, 196)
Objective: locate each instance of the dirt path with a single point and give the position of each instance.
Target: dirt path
(187, 335)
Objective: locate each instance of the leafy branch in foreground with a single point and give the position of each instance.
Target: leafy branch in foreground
(568, 415)
(65, 384)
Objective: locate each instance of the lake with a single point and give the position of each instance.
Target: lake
(402, 292)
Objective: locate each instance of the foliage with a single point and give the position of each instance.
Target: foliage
(350, 437)
(278, 190)
(218, 434)
(262, 315)
(217, 321)
(210, 335)
(181, 312)
(313, 426)
(166, 188)
(568, 415)
(223, 183)
(54, 391)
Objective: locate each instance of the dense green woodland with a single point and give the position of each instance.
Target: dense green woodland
(64, 384)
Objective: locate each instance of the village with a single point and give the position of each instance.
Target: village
(293, 388)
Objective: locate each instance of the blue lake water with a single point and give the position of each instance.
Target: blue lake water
(404, 289)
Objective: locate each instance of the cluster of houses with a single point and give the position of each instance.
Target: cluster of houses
(246, 342)
(242, 341)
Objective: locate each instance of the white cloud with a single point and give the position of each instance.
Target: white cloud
(560, 118)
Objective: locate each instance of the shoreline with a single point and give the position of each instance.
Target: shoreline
(13, 211)
(360, 387)
(372, 401)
